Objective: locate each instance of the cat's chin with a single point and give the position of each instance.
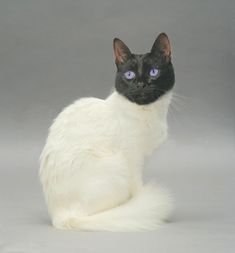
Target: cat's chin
(143, 98)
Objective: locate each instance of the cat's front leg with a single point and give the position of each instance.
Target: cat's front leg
(136, 179)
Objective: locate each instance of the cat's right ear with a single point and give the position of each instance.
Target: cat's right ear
(162, 47)
(121, 51)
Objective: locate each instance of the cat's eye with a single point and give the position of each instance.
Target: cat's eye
(153, 72)
(129, 75)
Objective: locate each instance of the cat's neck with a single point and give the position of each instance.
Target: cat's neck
(158, 108)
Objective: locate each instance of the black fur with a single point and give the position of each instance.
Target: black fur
(144, 89)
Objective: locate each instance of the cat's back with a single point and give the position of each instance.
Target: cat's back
(83, 120)
(83, 110)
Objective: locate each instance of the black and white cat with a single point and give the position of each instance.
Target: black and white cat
(91, 165)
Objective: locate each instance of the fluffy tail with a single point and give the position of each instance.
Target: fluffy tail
(145, 211)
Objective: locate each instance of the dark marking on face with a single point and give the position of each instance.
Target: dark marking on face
(153, 72)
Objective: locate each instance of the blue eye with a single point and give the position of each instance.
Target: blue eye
(129, 75)
(153, 72)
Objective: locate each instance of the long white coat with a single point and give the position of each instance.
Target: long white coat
(91, 165)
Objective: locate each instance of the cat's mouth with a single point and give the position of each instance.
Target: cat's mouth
(145, 94)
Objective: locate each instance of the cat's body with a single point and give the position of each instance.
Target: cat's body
(91, 165)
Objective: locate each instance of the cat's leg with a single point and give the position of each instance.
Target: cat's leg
(137, 183)
(136, 164)
(103, 182)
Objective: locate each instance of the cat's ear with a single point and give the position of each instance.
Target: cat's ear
(121, 51)
(162, 46)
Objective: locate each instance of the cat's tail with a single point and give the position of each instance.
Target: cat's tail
(145, 211)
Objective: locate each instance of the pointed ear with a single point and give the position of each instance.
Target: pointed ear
(121, 51)
(162, 46)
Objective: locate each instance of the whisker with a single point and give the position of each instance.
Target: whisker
(179, 102)
(181, 96)
(183, 105)
(172, 115)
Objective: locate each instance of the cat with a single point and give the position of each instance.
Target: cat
(91, 165)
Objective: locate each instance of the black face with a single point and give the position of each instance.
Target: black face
(144, 78)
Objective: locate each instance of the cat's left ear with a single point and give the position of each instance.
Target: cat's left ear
(121, 51)
(162, 46)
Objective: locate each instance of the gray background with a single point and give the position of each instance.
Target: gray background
(52, 52)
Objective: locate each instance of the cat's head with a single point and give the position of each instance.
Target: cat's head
(143, 78)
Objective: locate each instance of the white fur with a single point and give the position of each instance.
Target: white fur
(91, 165)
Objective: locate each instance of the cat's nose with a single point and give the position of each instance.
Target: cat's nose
(141, 84)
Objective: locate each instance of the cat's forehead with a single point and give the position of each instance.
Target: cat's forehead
(140, 59)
